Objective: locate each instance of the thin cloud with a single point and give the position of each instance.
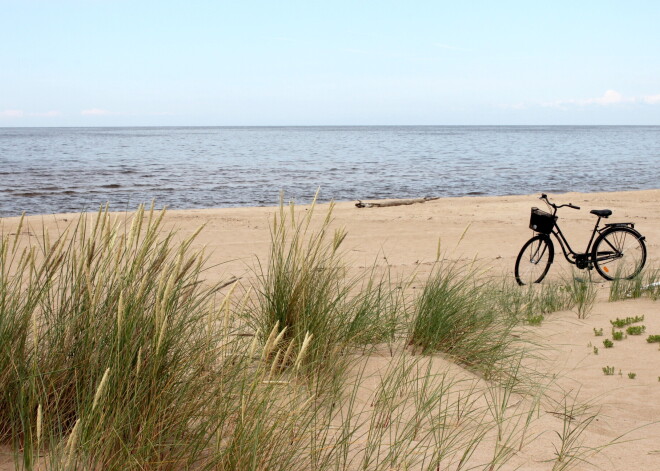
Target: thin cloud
(514, 106)
(24, 114)
(12, 114)
(46, 114)
(609, 98)
(98, 112)
(651, 99)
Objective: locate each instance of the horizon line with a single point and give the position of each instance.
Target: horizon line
(322, 126)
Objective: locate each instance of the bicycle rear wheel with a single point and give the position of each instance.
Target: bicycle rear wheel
(619, 253)
(534, 260)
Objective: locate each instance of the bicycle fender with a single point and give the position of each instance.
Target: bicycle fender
(628, 225)
(631, 225)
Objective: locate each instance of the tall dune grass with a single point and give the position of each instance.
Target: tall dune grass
(303, 292)
(116, 354)
(458, 314)
(103, 343)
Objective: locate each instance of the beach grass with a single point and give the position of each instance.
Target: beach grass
(116, 353)
(304, 296)
(531, 301)
(646, 283)
(460, 314)
(583, 294)
(105, 336)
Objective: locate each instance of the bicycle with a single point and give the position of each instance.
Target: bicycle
(618, 251)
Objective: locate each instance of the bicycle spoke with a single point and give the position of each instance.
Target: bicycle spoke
(533, 261)
(625, 258)
(619, 250)
(533, 257)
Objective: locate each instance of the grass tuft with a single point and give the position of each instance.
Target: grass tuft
(304, 290)
(99, 338)
(583, 294)
(646, 283)
(457, 314)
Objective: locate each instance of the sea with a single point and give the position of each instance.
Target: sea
(54, 170)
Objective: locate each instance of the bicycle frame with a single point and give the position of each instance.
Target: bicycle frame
(570, 255)
(606, 244)
(585, 259)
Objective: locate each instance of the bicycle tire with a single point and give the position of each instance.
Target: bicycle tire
(534, 260)
(619, 253)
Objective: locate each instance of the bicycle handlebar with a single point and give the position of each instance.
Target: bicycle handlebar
(569, 205)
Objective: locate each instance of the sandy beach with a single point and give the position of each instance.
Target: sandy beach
(490, 231)
(296, 236)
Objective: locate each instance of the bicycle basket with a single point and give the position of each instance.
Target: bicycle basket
(542, 222)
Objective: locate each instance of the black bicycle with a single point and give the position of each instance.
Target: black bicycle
(618, 251)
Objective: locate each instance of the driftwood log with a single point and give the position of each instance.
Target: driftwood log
(385, 204)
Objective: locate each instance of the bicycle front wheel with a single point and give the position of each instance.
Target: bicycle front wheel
(619, 253)
(534, 260)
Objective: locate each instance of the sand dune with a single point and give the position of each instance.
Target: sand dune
(491, 231)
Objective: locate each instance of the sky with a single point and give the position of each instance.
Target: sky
(271, 63)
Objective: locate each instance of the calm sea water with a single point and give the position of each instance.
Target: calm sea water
(51, 170)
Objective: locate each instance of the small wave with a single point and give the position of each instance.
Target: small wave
(248, 166)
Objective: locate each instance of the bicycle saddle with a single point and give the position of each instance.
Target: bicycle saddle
(601, 213)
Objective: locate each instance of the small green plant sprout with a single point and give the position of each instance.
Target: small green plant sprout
(636, 329)
(617, 334)
(595, 350)
(653, 339)
(621, 323)
(608, 370)
(598, 332)
(608, 343)
(632, 375)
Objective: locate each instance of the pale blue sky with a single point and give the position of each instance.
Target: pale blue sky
(116, 62)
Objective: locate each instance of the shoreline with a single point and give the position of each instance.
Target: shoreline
(490, 229)
(337, 202)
